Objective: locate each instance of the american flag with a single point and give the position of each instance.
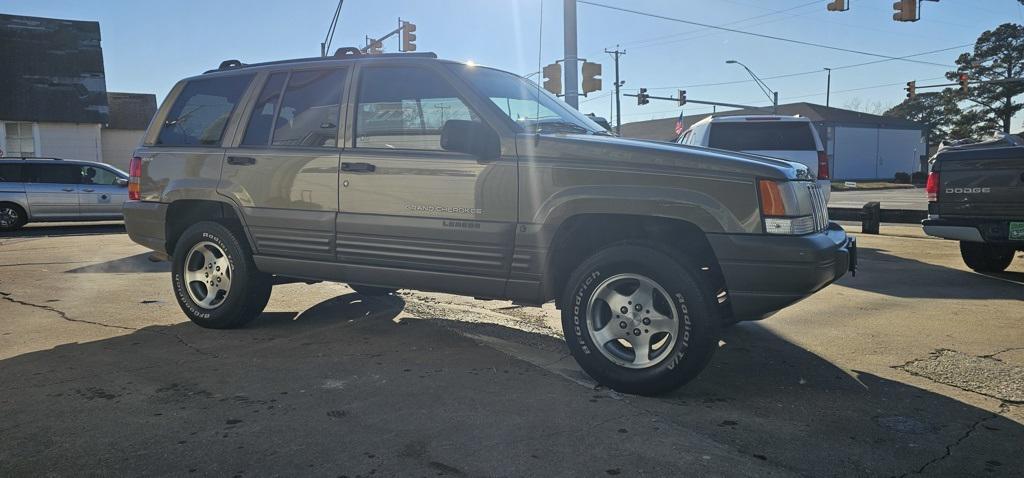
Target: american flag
(679, 123)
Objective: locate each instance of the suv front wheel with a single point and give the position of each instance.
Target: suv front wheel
(215, 280)
(638, 320)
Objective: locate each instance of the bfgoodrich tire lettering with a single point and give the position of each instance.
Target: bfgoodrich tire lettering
(688, 305)
(249, 288)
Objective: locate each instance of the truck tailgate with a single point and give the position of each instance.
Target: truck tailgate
(988, 185)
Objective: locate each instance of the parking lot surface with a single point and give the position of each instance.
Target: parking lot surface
(913, 199)
(914, 366)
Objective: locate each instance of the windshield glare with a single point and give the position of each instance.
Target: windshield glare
(531, 107)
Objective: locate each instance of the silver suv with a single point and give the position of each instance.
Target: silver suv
(50, 189)
(405, 171)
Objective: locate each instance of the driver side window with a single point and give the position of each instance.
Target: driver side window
(405, 108)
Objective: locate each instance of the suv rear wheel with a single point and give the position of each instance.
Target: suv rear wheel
(12, 217)
(986, 257)
(215, 281)
(638, 320)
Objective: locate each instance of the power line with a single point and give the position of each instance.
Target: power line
(759, 35)
(803, 73)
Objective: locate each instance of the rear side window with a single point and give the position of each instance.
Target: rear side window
(309, 111)
(262, 119)
(762, 136)
(202, 110)
(10, 173)
(56, 173)
(405, 108)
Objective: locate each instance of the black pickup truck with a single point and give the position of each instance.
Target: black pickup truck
(976, 196)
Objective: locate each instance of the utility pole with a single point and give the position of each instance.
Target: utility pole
(618, 84)
(572, 87)
(828, 86)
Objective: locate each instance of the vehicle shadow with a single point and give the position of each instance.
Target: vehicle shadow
(355, 385)
(137, 263)
(923, 280)
(65, 229)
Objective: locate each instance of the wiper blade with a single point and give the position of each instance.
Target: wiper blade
(561, 127)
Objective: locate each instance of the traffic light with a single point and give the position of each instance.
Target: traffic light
(375, 47)
(642, 98)
(591, 77)
(408, 36)
(906, 11)
(911, 90)
(838, 6)
(963, 80)
(553, 78)
(681, 96)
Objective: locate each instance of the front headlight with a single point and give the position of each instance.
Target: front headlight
(788, 207)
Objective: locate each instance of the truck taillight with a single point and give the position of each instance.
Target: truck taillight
(932, 186)
(134, 175)
(823, 166)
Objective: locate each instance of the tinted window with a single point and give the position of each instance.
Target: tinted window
(762, 136)
(308, 115)
(201, 111)
(258, 131)
(405, 108)
(100, 176)
(10, 173)
(56, 173)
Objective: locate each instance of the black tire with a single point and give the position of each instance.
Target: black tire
(986, 257)
(692, 302)
(249, 289)
(12, 217)
(371, 291)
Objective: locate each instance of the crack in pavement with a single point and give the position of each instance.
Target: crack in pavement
(64, 315)
(949, 448)
(1003, 351)
(1002, 401)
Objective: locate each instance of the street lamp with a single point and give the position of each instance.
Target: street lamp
(772, 95)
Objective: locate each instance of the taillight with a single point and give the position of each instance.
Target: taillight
(932, 187)
(134, 175)
(823, 166)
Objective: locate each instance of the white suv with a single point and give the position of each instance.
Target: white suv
(792, 138)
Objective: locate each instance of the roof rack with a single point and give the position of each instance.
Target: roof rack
(347, 52)
(22, 158)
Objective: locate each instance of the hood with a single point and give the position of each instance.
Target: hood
(656, 154)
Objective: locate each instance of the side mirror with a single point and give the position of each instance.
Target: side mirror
(471, 137)
(121, 182)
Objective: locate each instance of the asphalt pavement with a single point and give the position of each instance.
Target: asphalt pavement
(914, 366)
(913, 199)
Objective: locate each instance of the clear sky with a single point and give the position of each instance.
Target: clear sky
(148, 45)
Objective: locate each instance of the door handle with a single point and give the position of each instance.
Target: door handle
(241, 160)
(88, 190)
(358, 167)
(67, 190)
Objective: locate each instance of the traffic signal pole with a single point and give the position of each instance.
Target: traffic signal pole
(699, 102)
(618, 84)
(571, 66)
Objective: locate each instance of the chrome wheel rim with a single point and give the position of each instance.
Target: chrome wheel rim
(207, 275)
(632, 321)
(8, 216)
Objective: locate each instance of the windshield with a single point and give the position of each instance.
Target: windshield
(531, 107)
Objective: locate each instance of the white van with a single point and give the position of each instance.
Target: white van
(792, 138)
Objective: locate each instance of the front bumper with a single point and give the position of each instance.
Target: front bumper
(765, 273)
(145, 222)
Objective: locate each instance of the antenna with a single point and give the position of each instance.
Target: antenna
(325, 46)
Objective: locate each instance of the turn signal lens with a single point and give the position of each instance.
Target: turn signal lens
(134, 176)
(771, 198)
(932, 187)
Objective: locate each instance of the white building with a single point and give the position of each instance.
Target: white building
(53, 98)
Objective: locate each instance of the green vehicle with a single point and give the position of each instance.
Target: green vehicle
(405, 171)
